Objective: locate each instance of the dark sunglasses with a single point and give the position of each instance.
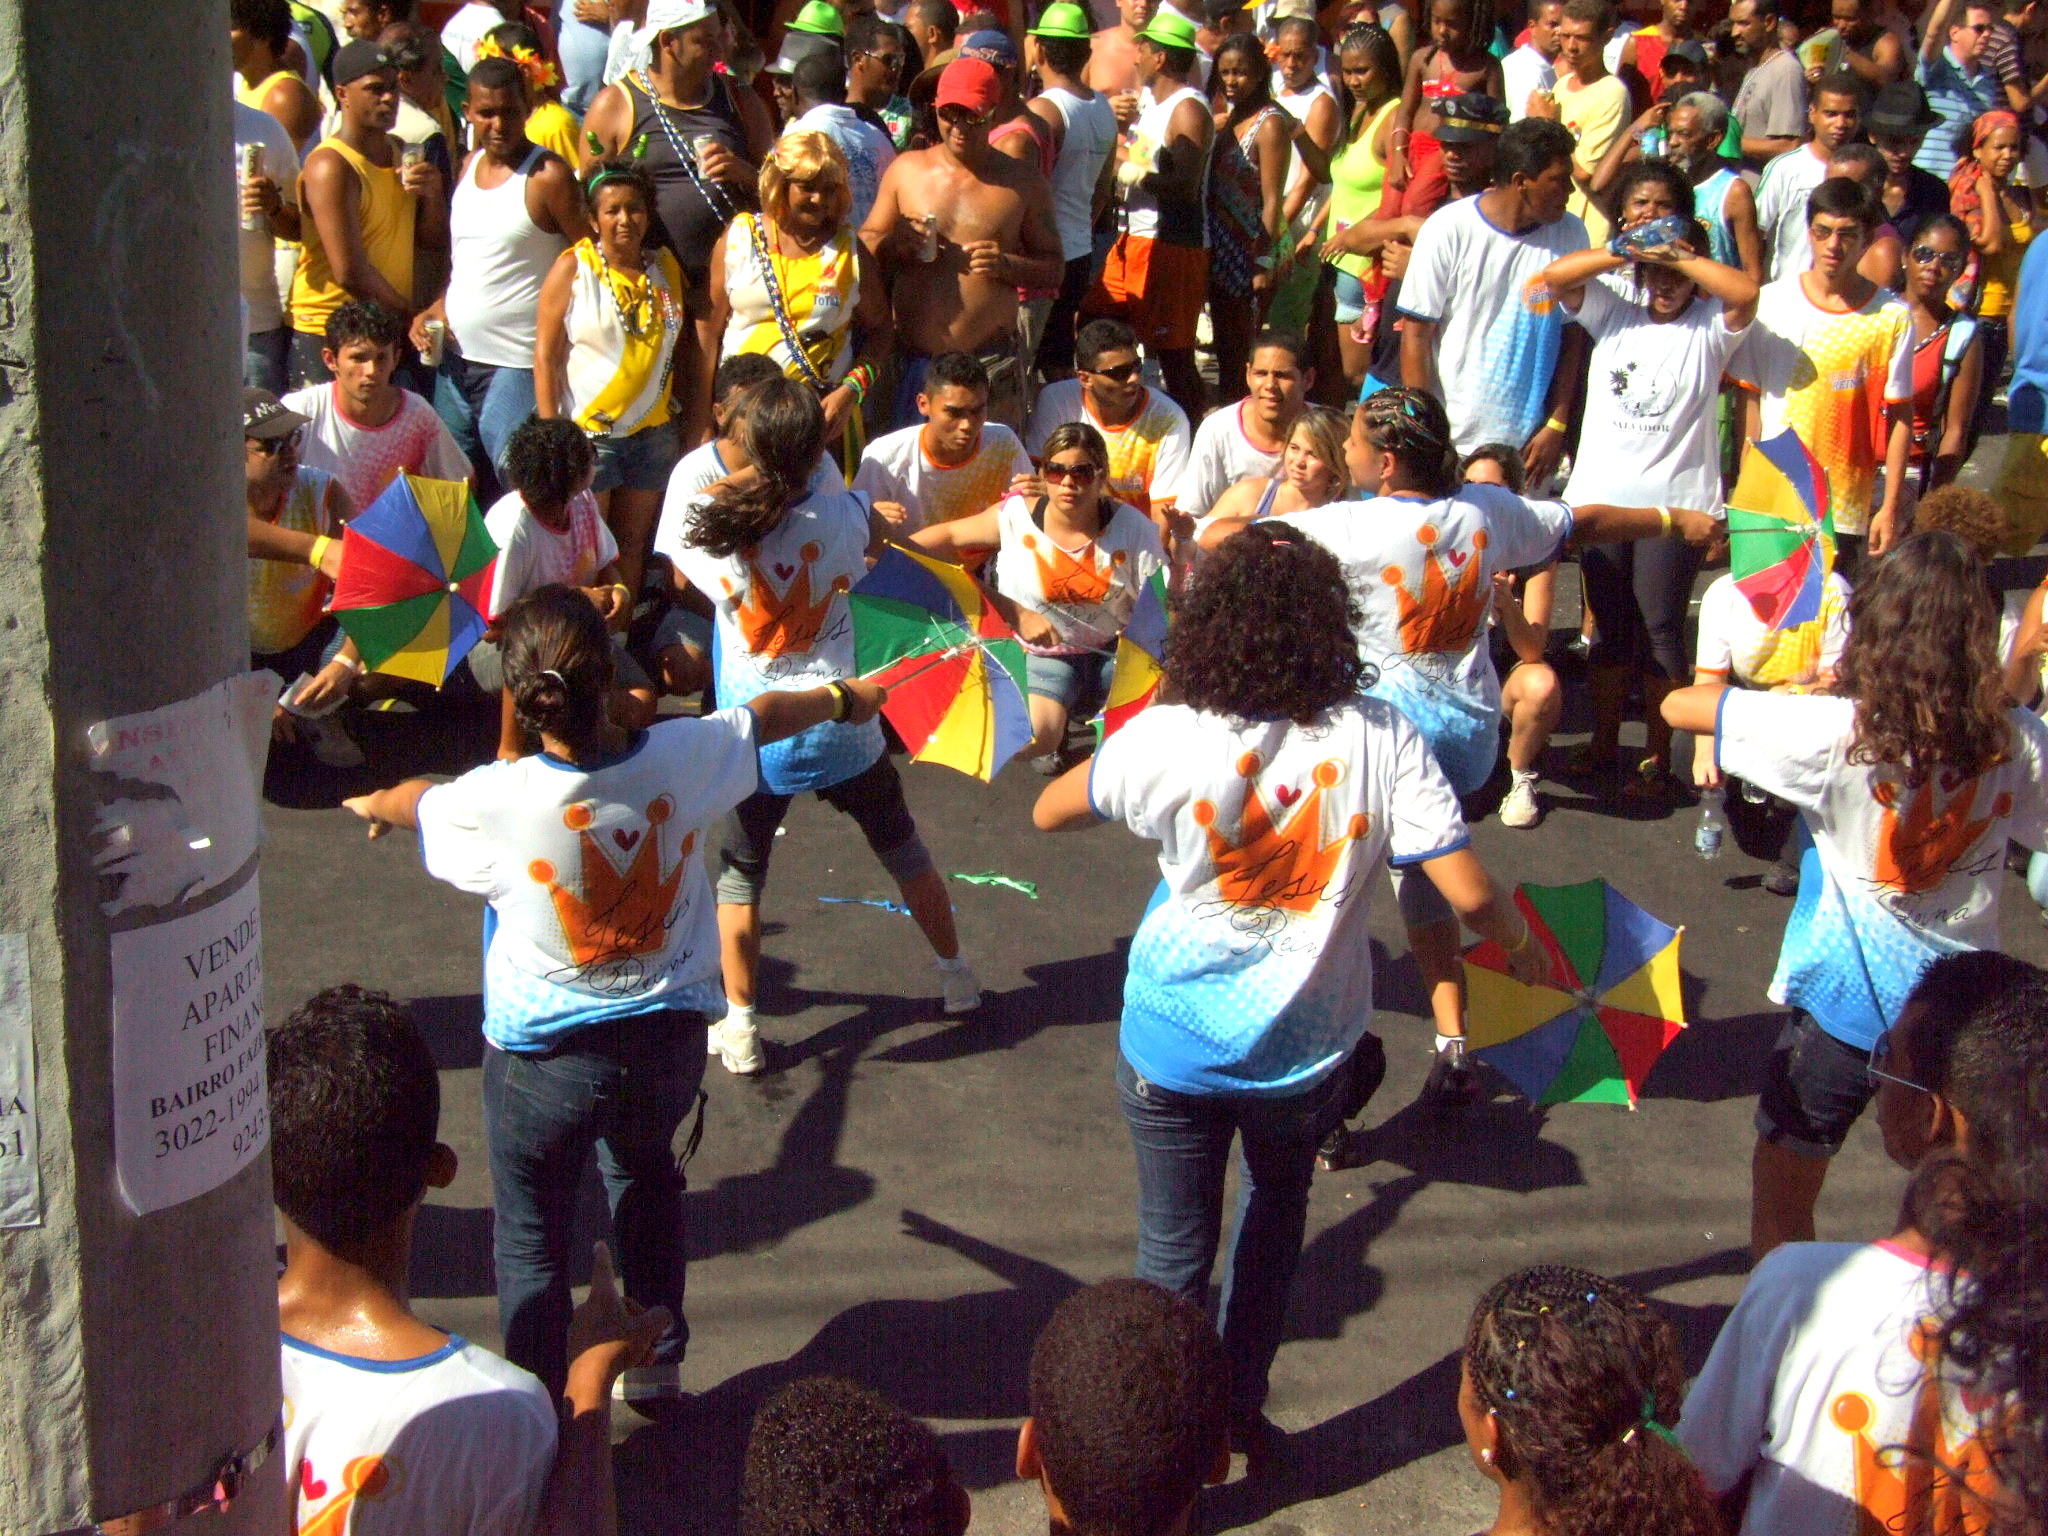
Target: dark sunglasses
(270, 447)
(884, 58)
(1881, 1059)
(1122, 373)
(1080, 474)
(1928, 256)
(964, 116)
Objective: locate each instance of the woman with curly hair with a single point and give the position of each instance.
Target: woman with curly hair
(1069, 565)
(1278, 794)
(776, 557)
(1567, 1391)
(1420, 554)
(1909, 779)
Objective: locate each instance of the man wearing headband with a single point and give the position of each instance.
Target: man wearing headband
(954, 280)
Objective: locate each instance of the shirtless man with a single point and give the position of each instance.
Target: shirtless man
(1113, 58)
(995, 233)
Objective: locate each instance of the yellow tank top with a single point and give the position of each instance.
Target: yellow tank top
(553, 126)
(387, 213)
(2001, 273)
(252, 95)
(1357, 177)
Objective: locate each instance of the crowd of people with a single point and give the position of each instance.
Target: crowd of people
(1343, 327)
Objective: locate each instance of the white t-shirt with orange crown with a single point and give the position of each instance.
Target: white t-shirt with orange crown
(897, 467)
(1086, 591)
(1251, 971)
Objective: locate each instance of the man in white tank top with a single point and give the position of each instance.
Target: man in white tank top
(1297, 53)
(1083, 174)
(516, 208)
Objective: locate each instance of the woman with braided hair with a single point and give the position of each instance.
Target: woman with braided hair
(1420, 555)
(1566, 1393)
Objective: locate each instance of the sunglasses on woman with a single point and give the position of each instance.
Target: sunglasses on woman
(1928, 256)
(1122, 373)
(1881, 1060)
(1083, 473)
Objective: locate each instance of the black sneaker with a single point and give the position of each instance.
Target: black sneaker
(1453, 1083)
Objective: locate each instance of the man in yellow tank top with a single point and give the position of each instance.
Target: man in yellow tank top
(366, 217)
(259, 32)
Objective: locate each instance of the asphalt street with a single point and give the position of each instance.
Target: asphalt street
(903, 1198)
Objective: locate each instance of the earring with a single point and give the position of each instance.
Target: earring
(1486, 1454)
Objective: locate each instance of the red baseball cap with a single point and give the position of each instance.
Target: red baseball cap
(969, 83)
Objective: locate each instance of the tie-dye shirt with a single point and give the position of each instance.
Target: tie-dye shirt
(1421, 572)
(898, 468)
(1498, 327)
(1895, 876)
(1827, 375)
(1251, 971)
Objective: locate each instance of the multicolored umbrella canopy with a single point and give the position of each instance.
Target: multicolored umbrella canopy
(416, 571)
(1140, 658)
(1780, 530)
(1594, 1037)
(954, 670)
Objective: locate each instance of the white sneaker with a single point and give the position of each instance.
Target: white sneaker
(649, 1384)
(737, 1043)
(962, 991)
(331, 742)
(1519, 808)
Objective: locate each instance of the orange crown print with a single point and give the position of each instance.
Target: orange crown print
(1065, 578)
(1916, 851)
(788, 625)
(1453, 602)
(1286, 868)
(1927, 1484)
(621, 914)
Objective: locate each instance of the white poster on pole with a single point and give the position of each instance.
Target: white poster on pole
(191, 1104)
(180, 813)
(21, 1186)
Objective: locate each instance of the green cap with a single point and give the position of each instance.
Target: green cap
(1063, 19)
(1169, 30)
(821, 17)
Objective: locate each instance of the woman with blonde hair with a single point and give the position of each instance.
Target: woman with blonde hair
(1312, 472)
(794, 284)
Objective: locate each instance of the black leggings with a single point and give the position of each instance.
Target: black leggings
(1639, 593)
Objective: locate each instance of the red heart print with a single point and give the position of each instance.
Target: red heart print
(625, 839)
(1458, 557)
(1286, 795)
(785, 571)
(309, 1485)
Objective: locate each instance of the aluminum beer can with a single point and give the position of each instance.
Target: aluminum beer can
(437, 339)
(249, 166)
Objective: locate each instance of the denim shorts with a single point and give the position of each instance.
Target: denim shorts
(1814, 1088)
(1350, 296)
(637, 463)
(1079, 682)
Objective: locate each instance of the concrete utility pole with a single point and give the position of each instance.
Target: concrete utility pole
(136, 1352)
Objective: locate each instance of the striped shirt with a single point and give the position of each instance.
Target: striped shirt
(1959, 97)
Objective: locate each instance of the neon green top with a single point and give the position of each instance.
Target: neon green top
(1357, 177)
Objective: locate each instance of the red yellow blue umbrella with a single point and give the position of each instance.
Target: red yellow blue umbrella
(416, 572)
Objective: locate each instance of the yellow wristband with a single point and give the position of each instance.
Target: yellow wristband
(1664, 522)
(1554, 425)
(1528, 937)
(319, 551)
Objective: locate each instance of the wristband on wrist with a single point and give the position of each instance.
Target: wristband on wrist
(1522, 945)
(842, 701)
(620, 586)
(348, 661)
(319, 550)
(1663, 522)
(1554, 425)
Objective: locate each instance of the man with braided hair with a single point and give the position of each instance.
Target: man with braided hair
(1567, 1388)
(1420, 558)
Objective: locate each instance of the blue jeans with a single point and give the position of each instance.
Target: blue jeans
(482, 406)
(1183, 1145)
(582, 48)
(266, 359)
(622, 1087)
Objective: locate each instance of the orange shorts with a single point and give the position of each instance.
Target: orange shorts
(1156, 288)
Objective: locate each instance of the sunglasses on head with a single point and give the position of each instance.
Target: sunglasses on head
(1083, 473)
(1928, 256)
(1122, 373)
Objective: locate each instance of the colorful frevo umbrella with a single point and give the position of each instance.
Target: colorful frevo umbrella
(954, 670)
(1140, 659)
(1781, 536)
(1594, 1037)
(416, 569)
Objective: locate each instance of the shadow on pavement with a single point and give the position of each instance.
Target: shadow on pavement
(964, 1357)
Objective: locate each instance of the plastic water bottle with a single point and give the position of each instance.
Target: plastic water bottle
(1712, 829)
